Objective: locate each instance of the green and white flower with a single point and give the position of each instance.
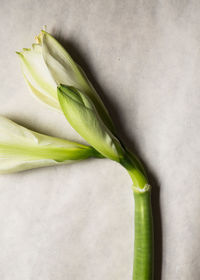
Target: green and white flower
(22, 149)
(47, 65)
(81, 113)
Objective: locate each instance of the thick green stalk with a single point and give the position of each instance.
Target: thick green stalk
(143, 244)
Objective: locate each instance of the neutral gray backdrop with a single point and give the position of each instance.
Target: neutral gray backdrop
(76, 222)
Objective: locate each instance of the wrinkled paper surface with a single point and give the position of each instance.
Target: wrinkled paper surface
(75, 222)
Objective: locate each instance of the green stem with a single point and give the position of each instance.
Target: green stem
(143, 244)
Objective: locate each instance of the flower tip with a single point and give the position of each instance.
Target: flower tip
(26, 49)
(63, 85)
(34, 45)
(19, 53)
(59, 87)
(44, 27)
(66, 89)
(43, 31)
(38, 38)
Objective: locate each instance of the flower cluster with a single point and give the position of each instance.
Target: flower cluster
(58, 81)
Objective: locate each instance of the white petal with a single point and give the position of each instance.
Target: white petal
(62, 67)
(47, 99)
(16, 165)
(37, 74)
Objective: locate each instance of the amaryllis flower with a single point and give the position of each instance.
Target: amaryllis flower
(47, 65)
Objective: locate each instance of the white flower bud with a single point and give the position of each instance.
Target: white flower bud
(84, 118)
(21, 149)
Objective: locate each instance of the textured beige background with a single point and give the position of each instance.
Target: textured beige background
(75, 222)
